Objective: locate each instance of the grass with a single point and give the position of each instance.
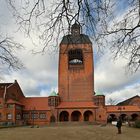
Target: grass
(85, 132)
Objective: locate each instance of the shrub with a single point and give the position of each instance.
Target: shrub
(137, 123)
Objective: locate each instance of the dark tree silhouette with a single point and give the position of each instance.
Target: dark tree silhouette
(98, 19)
(112, 101)
(8, 59)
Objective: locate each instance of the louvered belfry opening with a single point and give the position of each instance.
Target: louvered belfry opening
(75, 57)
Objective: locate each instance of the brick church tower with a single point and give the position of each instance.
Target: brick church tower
(75, 100)
(76, 75)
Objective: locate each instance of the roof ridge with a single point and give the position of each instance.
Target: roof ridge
(10, 85)
(128, 99)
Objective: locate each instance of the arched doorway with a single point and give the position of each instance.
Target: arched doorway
(88, 116)
(52, 118)
(64, 116)
(124, 117)
(76, 116)
(134, 116)
(111, 117)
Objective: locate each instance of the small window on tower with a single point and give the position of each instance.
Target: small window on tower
(75, 57)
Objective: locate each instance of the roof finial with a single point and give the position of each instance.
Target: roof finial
(75, 29)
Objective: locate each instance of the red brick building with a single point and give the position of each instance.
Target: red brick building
(76, 99)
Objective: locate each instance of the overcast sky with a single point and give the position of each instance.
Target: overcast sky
(40, 75)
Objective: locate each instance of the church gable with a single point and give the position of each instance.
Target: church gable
(13, 92)
(3, 87)
(131, 101)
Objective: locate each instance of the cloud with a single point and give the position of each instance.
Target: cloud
(47, 92)
(39, 77)
(124, 93)
(40, 74)
(110, 73)
(113, 79)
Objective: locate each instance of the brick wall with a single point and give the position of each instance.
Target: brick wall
(76, 84)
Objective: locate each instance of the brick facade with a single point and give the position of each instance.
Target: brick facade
(76, 99)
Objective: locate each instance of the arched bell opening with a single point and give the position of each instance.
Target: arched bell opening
(75, 57)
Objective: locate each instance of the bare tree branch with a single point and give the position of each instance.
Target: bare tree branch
(8, 57)
(112, 101)
(98, 19)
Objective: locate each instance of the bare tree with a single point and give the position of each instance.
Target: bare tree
(8, 59)
(125, 35)
(112, 101)
(97, 18)
(55, 20)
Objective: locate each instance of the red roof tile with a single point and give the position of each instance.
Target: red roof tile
(37, 103)
(77, 105)
(122, 108)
